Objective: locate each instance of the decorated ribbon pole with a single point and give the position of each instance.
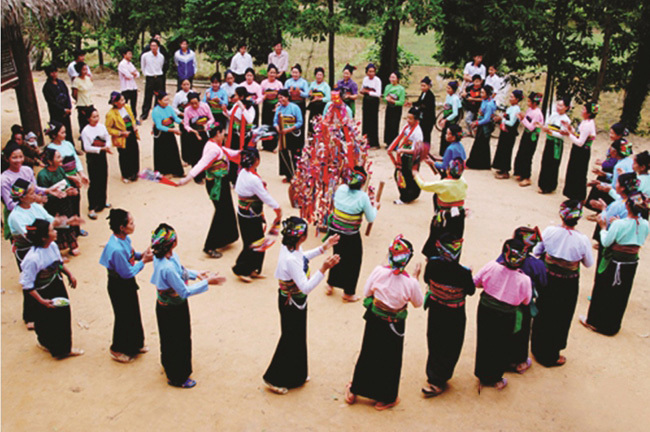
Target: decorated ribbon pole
(379, 191)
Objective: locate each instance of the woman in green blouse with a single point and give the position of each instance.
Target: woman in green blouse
(394, 95)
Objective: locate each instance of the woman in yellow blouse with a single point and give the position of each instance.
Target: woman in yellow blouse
(120, 123)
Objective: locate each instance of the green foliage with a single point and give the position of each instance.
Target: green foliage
(405, 60)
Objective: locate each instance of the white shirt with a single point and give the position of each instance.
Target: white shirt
(249, 114)
(72, 72)
(557, 120)
(567, 244)
(291, 268)
(416, 136)
(230, 89)
(152, 65)
(35, 260)
(179, 98)
(472, 70)
(240, 63)
(127, 80)
(89, 134)
(494, 81)
(249, 184)
(374, 83)
(280, 61)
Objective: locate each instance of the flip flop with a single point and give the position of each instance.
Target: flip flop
(430, 390)
(350, 299)
(523, 367)
(276, 389)
(144, 349)
(380, 406)
(329, 290)
(120, 357)
(213, 253)
(583, 321)
(350, 397)
(499, 385)
(188, 384)
(29, 325)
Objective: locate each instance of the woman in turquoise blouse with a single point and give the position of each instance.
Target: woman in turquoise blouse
(166, 159)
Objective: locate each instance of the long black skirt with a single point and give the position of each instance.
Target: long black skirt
(128, 335)
(370, 120)
(185, 144)
(233, 168)
(525, 153)
(288, 367)
(378, 369)
(556, 304)
(30, 304)
(288, 157)
(223, 229)
(175, 341)
(249, 261)
(448, 223)
(52, 325)
(479, 156)
(609, 300)
(503, 156)
(493, 331)
(391, 123)
(130, 158)
(166, 159)
(315, 109)
(445, 337)
(428, 120)
(550, 169)
(575, 182)
(303, 109)
(268, 113)
(346, 273)
(195, 151)
(519, 342)
(408, 189)
(98, 176)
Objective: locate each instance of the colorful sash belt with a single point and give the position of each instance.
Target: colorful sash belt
(46, 276)
(534, 134)
(345, 223)
(446, 295)
(250, 207)
(169, 297)
(384, 312)
(69, 165)
(216, 172)
(561, 268)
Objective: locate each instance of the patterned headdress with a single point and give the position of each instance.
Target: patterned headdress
(530, 236)
(400, 253)
(514, 253)
(592, 108)
(536, 98)
(294, 227)
(456, 168)
(162, 239)
(570, 210)
(449, 247)
(19, 189)
(358, 176)
(639, 204)
(622, 147)
(248, 157)
(629, 182)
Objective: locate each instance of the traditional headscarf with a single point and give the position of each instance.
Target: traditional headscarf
(622, 147)
(358, 177)
(162, 239)
(453, 85)
(37, 231)
(529, 236)
(535, 97)
(426, 80)
(570, 210)
(294, 228)
(400, 253)
(620, 129)
(639, 204)
(115, 96)
(449, 246)
(248, 157)
(592, 109)
(518, 94)
(370, 66)
(514, 253)
(456, 168)
(19, 189)
(629, 182)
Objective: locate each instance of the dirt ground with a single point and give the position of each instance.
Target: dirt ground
(236, 327)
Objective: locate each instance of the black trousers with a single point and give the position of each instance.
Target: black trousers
(131, 97)
(152, 85)
(575, 181)
(128, 335)
(550, 169)
(98, 176)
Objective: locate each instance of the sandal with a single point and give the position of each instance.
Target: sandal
(380, 406)
(275, 389)
(189, 383)
(523, 367)
(350, 397)
(246, 279)
(213, 253)
(329, 290)
(350, 299)
(257, 275)
(41, 347)
(561, 361)
(144, 350)
(431, 390)
(499, 385)
(30, 325)
(583, 321)
(74, 352)
(92, 215)
(120, 357)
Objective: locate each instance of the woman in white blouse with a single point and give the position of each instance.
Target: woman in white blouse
(96, 142)
(575, 183)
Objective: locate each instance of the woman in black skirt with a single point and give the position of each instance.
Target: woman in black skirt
(319, 95)
(479, 156)
(532, 121)
(123, 263)
(388, 291)
(96, 143)
(395, 97)
(509, 125)
(197, 119)
(407, 148)
(41, 277)
(172, 310)
(556, 128)
(288, 369)
(617, 132)
(371, 91)
(426, 103)
(166, 159)
(120, 123)
(615, 276)
(575, 182)
(215, 163)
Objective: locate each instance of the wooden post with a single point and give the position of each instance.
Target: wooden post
(25, 91)
(330, 46)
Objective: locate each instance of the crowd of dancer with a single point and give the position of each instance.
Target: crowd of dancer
(529, 292)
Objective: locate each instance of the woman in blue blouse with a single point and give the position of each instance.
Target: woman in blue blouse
(479, 156)
(172, 310)
(166, 159)
(298, 92)
(123, 264)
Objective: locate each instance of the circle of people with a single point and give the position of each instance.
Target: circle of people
(529, 292)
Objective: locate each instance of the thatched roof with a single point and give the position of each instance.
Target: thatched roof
(15, 11)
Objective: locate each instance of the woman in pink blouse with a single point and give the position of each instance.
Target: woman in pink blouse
(270, 88)
(197, 119)
(256, 92)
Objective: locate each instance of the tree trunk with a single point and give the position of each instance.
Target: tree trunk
(100, 53)
(77, 28)
(638, 87)
(609, 29)
(552, 55)
(25, 91)
(330, 48)
(388, 54)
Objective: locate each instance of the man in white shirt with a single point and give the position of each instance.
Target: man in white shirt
(152, 63)
(497, 83)
(240, 62)
(128, 73)
(474, 68)
(79, 57)
(280, 59)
